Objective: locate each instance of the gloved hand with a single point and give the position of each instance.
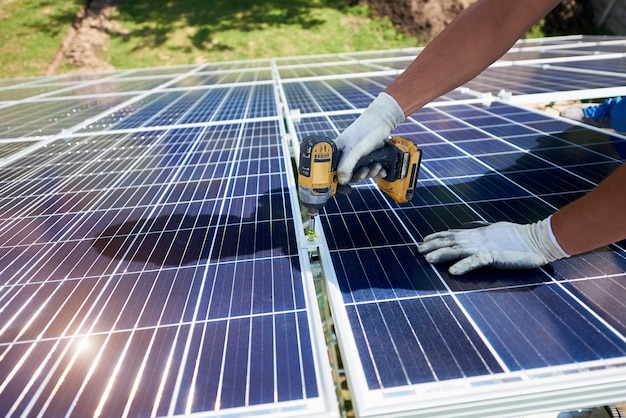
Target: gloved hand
(366, 134)
(502, 245)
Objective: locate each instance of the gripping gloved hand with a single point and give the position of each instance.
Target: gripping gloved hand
(366, 134)
(502, 245)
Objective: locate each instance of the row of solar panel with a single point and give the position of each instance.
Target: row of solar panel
(130, 284)
(40, 118)
(413, 324)
(151, 262)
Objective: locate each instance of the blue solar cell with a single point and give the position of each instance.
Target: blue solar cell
(374, 229)
(494, 281)
(442, 339)
(299, 98)
(262, 343)
(455, 167)
(442, 124)
(486, 146)
(335, 95)
(570, 156)
(360, 91)
(290, 375)
(487, 187)
(525, 210)
(594, 172)
(361, 197)
(514, 162)
(529, 329)
(535, 79)
(433, 332)
(204, 394)
(605, 295)
(370, 275)
(460, 135)
(548, 181)
(426, 218)
(614, 65)
(432, 192)
(615, 148)
(49, 118)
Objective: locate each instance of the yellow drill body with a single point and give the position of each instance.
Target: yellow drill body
(317, 172)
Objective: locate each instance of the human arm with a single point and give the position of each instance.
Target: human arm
(469, 44)
(590, 222)
(596, 219)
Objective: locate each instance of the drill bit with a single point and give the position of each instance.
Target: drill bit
(311, 232)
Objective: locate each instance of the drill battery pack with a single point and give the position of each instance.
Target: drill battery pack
(401, 180)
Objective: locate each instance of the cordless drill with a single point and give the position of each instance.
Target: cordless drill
(317, 172)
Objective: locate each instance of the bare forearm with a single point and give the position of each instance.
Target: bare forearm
(468, 45)
(596, 219)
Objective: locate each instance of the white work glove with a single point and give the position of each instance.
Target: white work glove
(366, 134)
(502, 245)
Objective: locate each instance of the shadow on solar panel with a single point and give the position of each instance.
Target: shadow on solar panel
(179, 239)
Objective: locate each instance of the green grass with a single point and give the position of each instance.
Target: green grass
(172, 32)
(31, 32)
(536, 31)
(165, 32)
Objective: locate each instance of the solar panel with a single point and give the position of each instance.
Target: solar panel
(153, 260)
(150, 268)
(549, 78)
(549, 70)
(501, 343)
(437, 344)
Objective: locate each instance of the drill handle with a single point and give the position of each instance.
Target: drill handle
(391, 158)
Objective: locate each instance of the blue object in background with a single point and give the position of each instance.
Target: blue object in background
(610, 114)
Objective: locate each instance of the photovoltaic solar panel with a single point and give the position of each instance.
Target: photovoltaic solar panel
(156, 271)
(615, 66)
(434, 344)
(518, 80)
(422, 334)
(153, 260)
